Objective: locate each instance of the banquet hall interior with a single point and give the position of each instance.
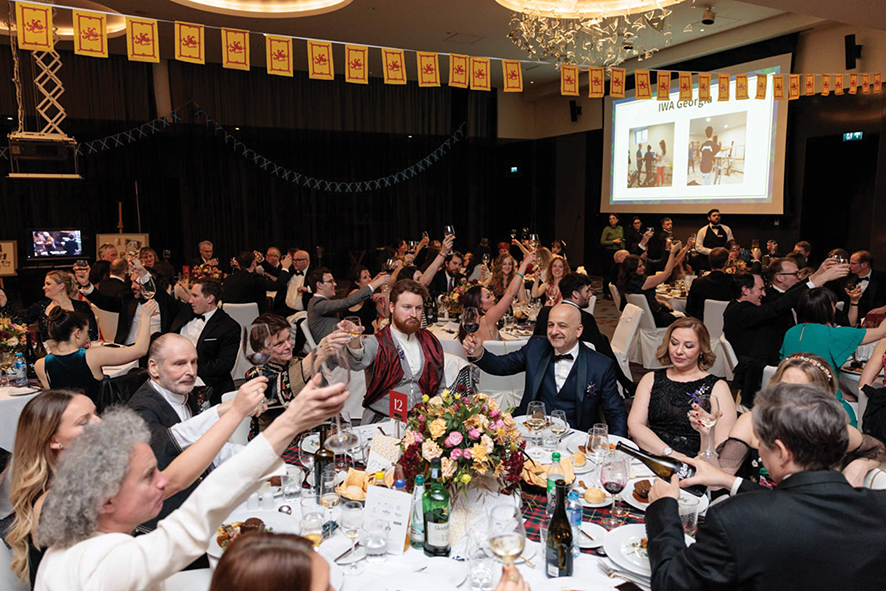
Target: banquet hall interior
(318, 152)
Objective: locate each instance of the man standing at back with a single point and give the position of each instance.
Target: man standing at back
(245, 285)
(297, 293)
(714, 235)
(872, 283)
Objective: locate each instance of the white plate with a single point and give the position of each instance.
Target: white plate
(573, 443)
(628, 497)
(569, 584)
(412, 581)
(619, 542)
(581, 497)
(18, 391)
(336, 577)
(529, 551)
(280, 523)
(311, 443)
(595, 531)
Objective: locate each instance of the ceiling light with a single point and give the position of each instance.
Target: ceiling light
(266, 8)
(590, 32)
(708, 17)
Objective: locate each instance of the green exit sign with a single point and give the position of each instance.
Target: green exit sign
(852, 136)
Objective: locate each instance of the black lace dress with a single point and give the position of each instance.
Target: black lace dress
(668, 405)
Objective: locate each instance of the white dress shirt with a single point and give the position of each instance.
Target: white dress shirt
(137, 322)
(293, 297)
(411, 348)
(864, 284)
(192, 329)
(564, 366)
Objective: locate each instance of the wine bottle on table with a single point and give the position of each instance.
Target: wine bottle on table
(558, 551)
(663, 466)
(322, 458)
(435, 504)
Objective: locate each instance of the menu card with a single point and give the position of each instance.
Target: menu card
(393, 507)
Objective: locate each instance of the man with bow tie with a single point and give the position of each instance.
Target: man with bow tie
(561, 373)
(297, 293)
(872, 283)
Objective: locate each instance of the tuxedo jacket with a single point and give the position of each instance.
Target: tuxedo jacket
(814, 531)
(124, 305)
(243, 287)
(874, 295)
(755, 331)
(716, 285)
(113, 287)
(440, 283)
(590, 386)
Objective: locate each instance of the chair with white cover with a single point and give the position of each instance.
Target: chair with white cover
(616, 296)
(357, 392)
(876, 478)
(623, 338)
(107, 322)
(713, 321)
(729, 357)
(244, 314)
(507, 391)
(241, 433)
(307, 332)
(768, 372)
(452, 364)
(649, 336)
(592, 303)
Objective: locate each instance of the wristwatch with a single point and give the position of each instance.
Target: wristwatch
(668, 450)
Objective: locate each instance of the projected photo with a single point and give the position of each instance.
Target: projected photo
(716, 150)
(651, 160)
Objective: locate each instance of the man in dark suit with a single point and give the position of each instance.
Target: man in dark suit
(792, 537)
(115, 285)
(127, 305)
(783, 274)
(244, 285)
(562, 373)
(872, 283)
(576, 290)
(449, 276)
(716, 285)
(206, 255)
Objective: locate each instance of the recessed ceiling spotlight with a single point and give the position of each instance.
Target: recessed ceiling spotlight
(708, 17)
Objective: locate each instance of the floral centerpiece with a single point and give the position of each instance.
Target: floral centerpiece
(13, 337)
(454, 300)
(206, 271)
(474, 438)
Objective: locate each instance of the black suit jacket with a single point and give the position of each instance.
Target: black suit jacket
(243, 287)
(124, 305)
(814, 531)
(874, 295)
(113, 287)
(716, 285)
(217, 348)
(592, 369)
(440, 283)
(754, 331)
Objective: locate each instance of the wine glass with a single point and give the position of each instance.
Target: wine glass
(389, 266)
(355, 321)
(335, 370)
(256, 344)
(559, 424)
(449, 231)
(534, 242)
(413, 246)
(538, 419)
(470, 321)
(6, 362)
(306, 458)
(507, 536)
(351, 522)
(485, 258)
(329, 497)
(614, 476)
(132, 249)
(708, 408)
(513, 233)
(149, 288)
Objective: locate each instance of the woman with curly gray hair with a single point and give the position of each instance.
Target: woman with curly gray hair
(109, 483)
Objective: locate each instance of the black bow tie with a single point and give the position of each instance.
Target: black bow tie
(297, 273)
(864, 278)
(199, 317)
(563, 357)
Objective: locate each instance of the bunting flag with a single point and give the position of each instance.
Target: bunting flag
(825, 84)
(278, 51)
(189, 43)
(320, 65)
(741, 87)
(394, 63)
(597, 85)
(643, 90)
(794, 87)
(568, 80)
(617, 82)
(838, 83)
(762, 79)
(810, 84)
(865, 84)
(142, 44)
(428, 64)
(704, 87)
(723, 87)
(90, 33)
(853, 83)
(235, 49)
(356, 58)
(663, 86)
(685, 86)
(480, 74)
(458, 70)
(878, 83)
(512, 73)
(34, 26)
(778, 87)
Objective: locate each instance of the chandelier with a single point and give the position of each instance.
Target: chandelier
(590, 32)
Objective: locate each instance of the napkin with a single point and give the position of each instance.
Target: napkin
(537, 474)
(356, 483)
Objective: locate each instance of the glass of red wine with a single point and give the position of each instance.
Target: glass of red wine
(256, 344)
(614, 477)
(470, 321)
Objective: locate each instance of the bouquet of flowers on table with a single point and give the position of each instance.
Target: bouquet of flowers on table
(206, 271)
(454, 300)
(475, 439)
(13, 337)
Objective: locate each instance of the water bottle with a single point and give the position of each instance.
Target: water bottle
(417, 523)
(554, 474)
(574, 512)
(20, 371)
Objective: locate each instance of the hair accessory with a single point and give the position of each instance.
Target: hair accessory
(817, 364)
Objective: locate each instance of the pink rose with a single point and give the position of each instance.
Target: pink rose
(493, 414)
(453, 439)
(499, 424)
(421, 418)
(456, 453)
(474, 433)
(418, 437)
(466, 454)
(454, 407)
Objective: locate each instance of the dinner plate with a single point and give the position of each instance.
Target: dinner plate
(574, 442)
(311, 443)
(595, 531)
(414, 581)
(278, 523)
(622, 546)
(628, 497)
(19, 391)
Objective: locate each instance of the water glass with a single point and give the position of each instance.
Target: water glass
(688, 506)
(482, 569)
(253, 503)
(291, 482)
(377, 541)
(549, 440)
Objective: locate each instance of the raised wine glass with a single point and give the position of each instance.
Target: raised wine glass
(485, 258)
(614, 476)
(534, 242)
(351, 522)
(708, 412)
(256, 345)
(355, 321)
(449, 231)
(470, 321)
(537, 419)
(507, 536)
(336, 370)
(149, 288)
(513, 233)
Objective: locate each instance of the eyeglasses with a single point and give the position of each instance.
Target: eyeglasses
(328, 281)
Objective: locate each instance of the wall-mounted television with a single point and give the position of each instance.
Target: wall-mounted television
(54, 244)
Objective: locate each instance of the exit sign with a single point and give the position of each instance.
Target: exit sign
(852, 136)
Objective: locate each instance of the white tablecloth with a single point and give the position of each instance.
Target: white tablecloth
(447, 334)
(10, 409)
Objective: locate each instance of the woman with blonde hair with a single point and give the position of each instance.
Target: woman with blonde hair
(738, 453)
(61, 291)
(550, 289)
(503, 272)
(659, 419)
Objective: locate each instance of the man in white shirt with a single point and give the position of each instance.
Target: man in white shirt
(713, 235)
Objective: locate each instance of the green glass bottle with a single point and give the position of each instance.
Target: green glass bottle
(558, 553)
(322, 458)
(435, 503)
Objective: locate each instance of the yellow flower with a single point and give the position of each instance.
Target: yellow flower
(482, 397)
(478, 453)
(476, 421)
(430, 450)
(437, 428)
(448, 467)
(465, 478)
(479, 467)
(493, 405)
(425, 398)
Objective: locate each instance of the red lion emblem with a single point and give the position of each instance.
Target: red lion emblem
(189, 42)
(512, 75)
(90, 34)
(356, 64)
(34, 26)
(321, 60)
(569, 80)
(279, 56)
(143, 39)
(428, 69)
(394, 66)
(235, 47)
(480, 74)
(459, 69)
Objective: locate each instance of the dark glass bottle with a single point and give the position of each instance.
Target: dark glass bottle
(663, 466)
(558, 551)
(322, 458)
(435, 504)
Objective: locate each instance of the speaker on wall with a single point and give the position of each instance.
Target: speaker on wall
(574, 111)
(853, 52)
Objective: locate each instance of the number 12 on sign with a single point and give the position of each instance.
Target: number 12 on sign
(399, 402)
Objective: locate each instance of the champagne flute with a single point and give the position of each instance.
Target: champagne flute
(559, 424)
(351, 522)
(335, 370)
(507, 536)
(449, 231)
(708, 412)
(256, 344)
(614, 476)
(537, 419)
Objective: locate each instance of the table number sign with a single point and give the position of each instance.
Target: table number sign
(399, 402)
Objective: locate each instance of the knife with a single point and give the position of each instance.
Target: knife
(346, 552)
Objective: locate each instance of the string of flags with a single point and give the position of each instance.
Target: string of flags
(34, 32)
